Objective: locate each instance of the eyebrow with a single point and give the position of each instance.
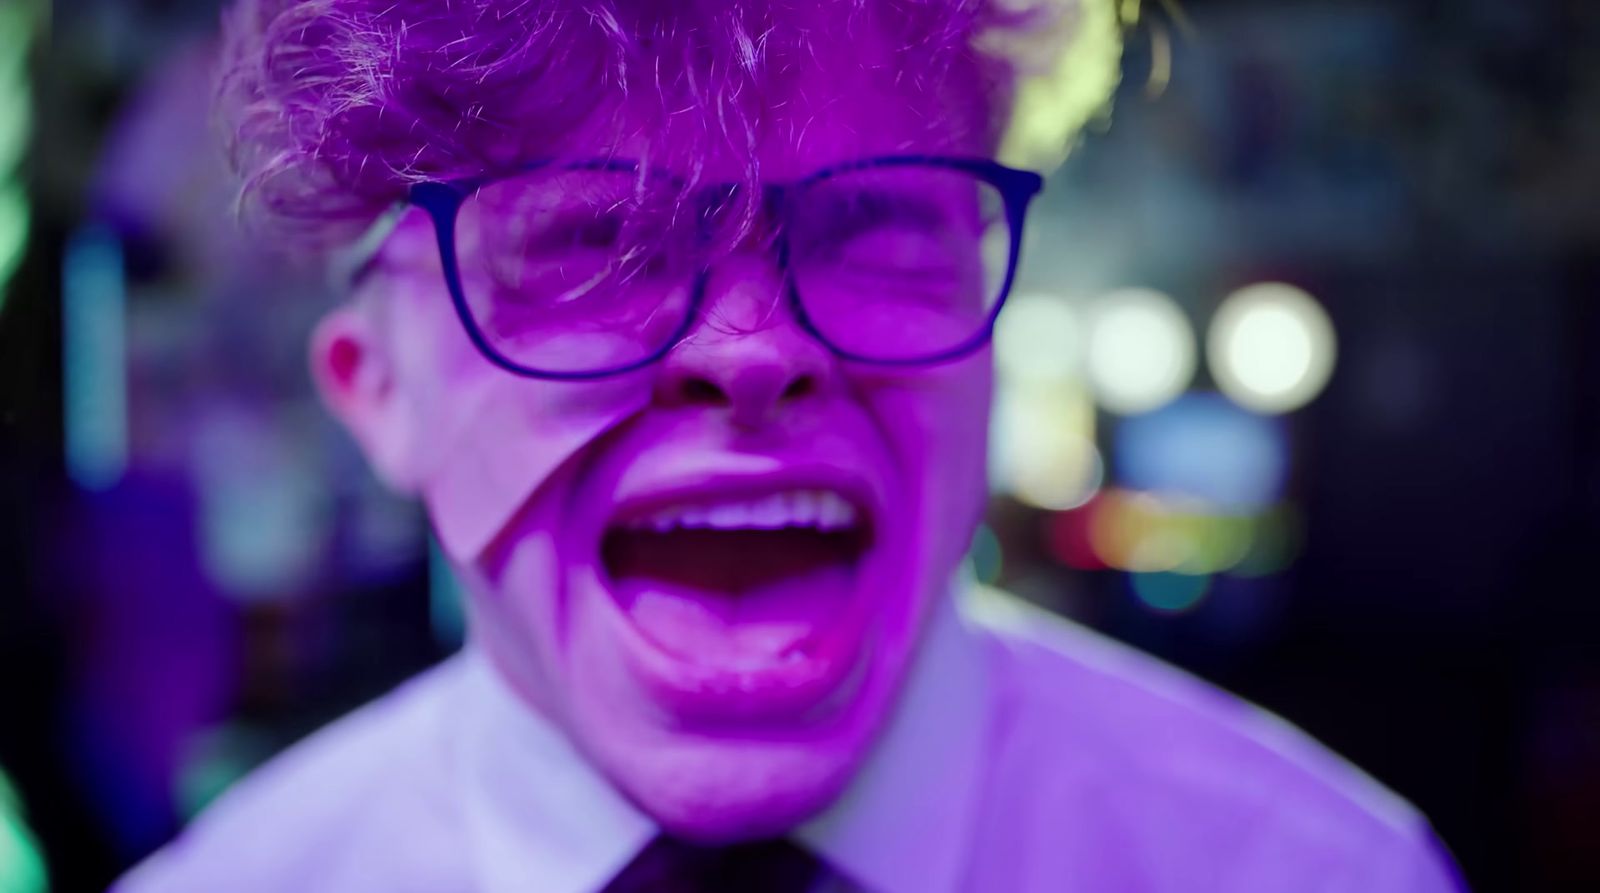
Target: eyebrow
(854, 212)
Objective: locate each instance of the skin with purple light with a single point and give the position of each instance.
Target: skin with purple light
(711, 572)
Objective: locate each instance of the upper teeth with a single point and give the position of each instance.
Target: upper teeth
(821, 509)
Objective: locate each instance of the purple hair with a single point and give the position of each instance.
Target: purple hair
(332, 107)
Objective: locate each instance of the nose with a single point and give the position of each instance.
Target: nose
(746, 354)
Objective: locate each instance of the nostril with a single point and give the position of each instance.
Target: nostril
(802, 386)
(752, 391)
(701, 391)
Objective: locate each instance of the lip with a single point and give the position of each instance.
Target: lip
(737, 487)
(785, 693)
(805, 680)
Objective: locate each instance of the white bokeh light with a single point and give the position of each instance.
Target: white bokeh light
(1141, 351)
(1036, 340)
(1042, 449)
(1271, 347)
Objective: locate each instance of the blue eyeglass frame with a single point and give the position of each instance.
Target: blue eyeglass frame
(441, 200)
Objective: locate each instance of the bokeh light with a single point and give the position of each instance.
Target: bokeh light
(1042, 447)
(21, 864)
(1143, 532)
(263, 518)
(987, 556)
(447, 598)
(1271, 347)
(15, 221)
(1068, 536)
(1135, 531)
(94, 359)
(1141, 350)
(1167, 593)
(1203, 447)
(1037, 340)
(16, 31)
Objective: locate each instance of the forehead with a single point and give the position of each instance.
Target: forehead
(832, 101)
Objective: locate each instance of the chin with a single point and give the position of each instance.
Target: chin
(713, 792)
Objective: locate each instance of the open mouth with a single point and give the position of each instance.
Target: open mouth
(738, 581)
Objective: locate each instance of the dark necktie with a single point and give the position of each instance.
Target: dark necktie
(669, 865)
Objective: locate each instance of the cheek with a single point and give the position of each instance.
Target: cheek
(515, 602)
(936, 423)
(935, 420)
(434, 362)
(488, 441)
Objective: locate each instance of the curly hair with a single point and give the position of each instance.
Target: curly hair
(330, 108)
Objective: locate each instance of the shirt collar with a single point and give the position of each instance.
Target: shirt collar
(539, 817)
(905, 822)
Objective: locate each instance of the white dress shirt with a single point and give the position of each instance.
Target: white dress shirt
(1026, 754)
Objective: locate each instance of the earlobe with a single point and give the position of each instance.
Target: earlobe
(355, 377)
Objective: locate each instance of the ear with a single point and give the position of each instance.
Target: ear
(355, 376)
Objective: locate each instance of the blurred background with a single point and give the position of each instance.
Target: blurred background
(1300, 391)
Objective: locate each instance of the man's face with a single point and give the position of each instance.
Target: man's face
(711, 572)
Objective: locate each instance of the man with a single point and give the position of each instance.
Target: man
(676, 316)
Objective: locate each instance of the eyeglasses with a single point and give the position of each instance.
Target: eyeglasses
(581, 271)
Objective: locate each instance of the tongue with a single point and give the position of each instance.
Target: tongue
(732, 596)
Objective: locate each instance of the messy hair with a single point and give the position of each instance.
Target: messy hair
(331, 108)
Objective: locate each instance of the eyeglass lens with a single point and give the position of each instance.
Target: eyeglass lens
(576, 271)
